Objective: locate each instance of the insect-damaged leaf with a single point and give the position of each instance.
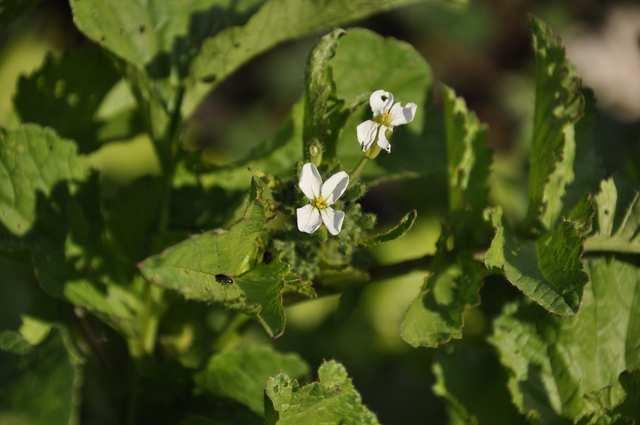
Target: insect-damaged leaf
(547, 270)
(559, 104)
(331, 400)
(220, 266)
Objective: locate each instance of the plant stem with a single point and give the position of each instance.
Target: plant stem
(355, 174)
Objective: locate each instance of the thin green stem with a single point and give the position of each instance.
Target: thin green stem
(355, 174)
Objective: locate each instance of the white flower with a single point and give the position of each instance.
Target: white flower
(322, 196)
(386, 116)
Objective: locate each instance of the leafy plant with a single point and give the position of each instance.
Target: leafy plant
(132, 299)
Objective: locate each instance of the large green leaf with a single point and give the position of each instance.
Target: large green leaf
(547, 270)
(220, 266)
(559, 104)
(331, 400)
(241, 374)
(60, 85)
(159, 36)
(436, 316)
(626, 238)
(275, 22)
(558, 364)
(33, 160)
(42, 387)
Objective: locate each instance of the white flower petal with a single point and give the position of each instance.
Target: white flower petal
(308, 218)
(403, 114)
(380, 102)
(310, 181)
(367, 133)
(333, 220)
(334, 187)
(383, 142)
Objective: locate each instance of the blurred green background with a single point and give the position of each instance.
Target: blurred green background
(484, 53)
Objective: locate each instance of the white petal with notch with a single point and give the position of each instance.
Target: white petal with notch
(380, 102)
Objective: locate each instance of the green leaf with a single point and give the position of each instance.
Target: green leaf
(364, 62)
(33, 160)
(468, 157)
(556, 362)
(547, 270)
(219, 266)
(436, 316)
(42, 387)
(559, 104)
(474, 386)
(331, 400)
(275, 22)
(626, 238)
(397, 231)
(158, 36)
(324, 115)
(60, 85)
(241, 374)
(468, 167)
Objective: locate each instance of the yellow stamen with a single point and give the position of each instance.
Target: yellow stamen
(320, 203)
(384, 119)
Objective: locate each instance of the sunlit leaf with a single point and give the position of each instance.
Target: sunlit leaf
(332, 400)
(559, 104)
(555, 363)
(220, 266)
(33, 160)
(277, 21)
(547, 270)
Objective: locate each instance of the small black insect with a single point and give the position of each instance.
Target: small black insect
(224, 279)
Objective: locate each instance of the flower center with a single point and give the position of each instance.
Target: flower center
(384, 119)
(320, 203)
